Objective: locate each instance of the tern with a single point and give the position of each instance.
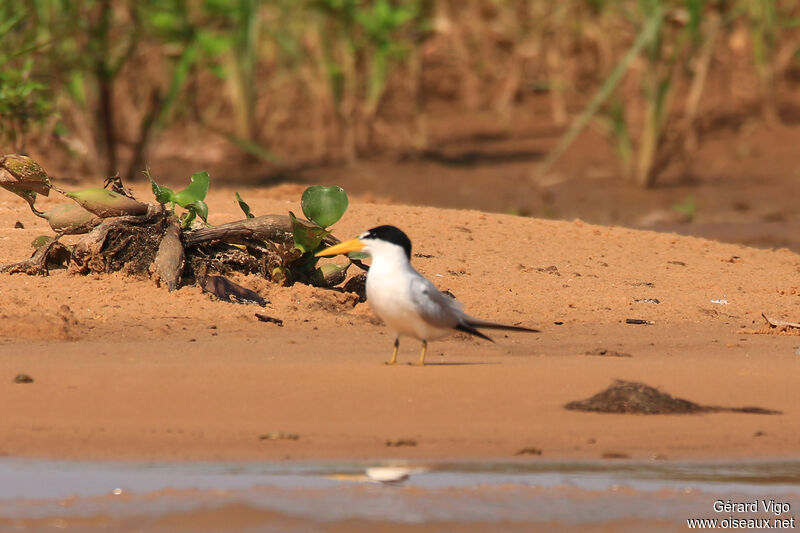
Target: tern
(408, 303)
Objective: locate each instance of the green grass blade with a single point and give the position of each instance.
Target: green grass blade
(243, 205)
(644, 38)
(9, 24)
(251, 147)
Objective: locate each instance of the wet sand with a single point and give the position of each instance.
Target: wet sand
(331, 497)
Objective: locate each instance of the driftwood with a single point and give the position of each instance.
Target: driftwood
(274, 229)
(229, 291)
(117, 243)
(170, 257)
(774, 323)
(270, 228)
(35, 266)
(263, 317)
(154, 244)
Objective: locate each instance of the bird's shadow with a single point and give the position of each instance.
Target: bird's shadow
(460, 363)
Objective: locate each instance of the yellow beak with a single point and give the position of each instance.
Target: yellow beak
(353, 245)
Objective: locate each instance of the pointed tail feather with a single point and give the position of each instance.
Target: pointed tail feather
(473, 322)
(472, 331)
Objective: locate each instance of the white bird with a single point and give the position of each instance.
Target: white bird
(406, 301)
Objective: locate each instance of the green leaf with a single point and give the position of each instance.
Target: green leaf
(200, 208)
(213, 45)
(163, 194)
(196, 190)
(688, 208)
(695, 10)
(324, 205)
(187, 218)
(306, 238)
(244, 206)
(8, 25)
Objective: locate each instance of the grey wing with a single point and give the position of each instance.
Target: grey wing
(434, 307)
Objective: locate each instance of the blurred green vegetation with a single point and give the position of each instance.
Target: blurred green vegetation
(334, 80)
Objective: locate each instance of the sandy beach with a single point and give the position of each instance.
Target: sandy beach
(122, 369)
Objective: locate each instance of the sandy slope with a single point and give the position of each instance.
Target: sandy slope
(124, 369)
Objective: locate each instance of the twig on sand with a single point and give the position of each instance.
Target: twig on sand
(774, 323)
(266, 318)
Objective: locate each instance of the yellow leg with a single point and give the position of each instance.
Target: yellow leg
(422, 355)
(394, 353)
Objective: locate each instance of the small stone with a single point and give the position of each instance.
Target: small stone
(615, 455)
(277, 435)
(400, 442)
(529, 451)
(23, 378)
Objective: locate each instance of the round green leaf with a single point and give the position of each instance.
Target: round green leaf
(324, 205)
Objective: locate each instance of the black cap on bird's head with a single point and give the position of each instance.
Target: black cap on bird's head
(389, 234)
(386, 234)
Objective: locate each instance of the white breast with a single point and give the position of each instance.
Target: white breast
(390, 294)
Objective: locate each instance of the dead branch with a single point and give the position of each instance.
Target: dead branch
(272, 228)
(170, 257)
(35, 266)
(774, 323)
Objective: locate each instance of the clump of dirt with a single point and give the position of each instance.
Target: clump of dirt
(637, 398)
(634, 397)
